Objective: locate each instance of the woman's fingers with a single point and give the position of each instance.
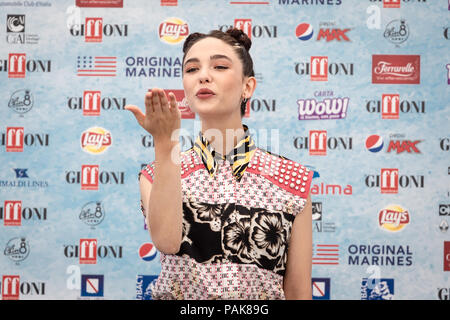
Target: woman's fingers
(148, 103)
(156, 100)
(137, 113)
(164, 102)
(173, 102)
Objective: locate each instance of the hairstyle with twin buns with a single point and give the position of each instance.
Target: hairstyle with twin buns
(235, 38)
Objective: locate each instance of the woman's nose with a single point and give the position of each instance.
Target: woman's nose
(204, 75)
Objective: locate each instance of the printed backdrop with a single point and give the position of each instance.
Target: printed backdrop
(358, 90)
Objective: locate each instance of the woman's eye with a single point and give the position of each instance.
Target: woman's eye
(221, 67)
(188, 70)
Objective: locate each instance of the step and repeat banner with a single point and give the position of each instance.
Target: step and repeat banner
(357, 90)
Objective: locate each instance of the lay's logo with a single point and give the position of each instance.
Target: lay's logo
(393, 218)
(96, 140)
(173, 30)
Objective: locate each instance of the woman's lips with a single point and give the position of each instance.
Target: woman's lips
(204, 93)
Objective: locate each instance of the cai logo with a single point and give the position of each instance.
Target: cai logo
(147, 251)
(92, 285)
(15, 30)
(95, 140)
(173, 30)
(377, 289)
(321, 288)
(393, 218)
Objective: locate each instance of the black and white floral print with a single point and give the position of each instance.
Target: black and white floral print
(236, 233)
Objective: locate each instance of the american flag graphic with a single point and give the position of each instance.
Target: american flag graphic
(327, 254)
(89, 66)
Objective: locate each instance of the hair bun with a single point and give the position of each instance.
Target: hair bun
(241, 37)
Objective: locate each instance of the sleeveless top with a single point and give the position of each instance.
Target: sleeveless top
(238, 212)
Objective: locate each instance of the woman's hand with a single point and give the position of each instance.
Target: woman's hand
(162, 117)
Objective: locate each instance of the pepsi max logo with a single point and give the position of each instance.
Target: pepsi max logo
(304, 31)
(147, 252)
(374, 143)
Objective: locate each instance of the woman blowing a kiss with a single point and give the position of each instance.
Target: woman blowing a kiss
(231, 220)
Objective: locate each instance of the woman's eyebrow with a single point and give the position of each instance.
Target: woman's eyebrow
(213, 57)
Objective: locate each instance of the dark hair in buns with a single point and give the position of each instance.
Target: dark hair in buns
(235, 38)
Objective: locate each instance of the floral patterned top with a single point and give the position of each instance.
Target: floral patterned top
(238, 212)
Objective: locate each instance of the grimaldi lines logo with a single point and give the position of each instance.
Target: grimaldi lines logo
(320, 68)
(18, 65)
(93, 102)
(90, 177)
(396, 69)
(13, 212)
(390, 181)
(94, 29)
(15, 139)
(13, 288)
